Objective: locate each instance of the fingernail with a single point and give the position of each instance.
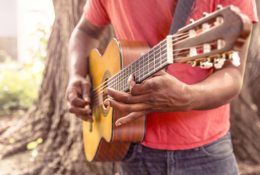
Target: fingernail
(110, 89)
(87, 99)
(107, 102)
(118, 123)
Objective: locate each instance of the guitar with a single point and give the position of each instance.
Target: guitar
(208, 42)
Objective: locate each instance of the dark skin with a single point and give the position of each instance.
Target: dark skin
(161, 92)
(84, 37)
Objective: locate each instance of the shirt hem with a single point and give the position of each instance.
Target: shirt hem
(165, 146)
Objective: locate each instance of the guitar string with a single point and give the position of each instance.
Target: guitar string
(113, 82)
(161, 44)
(156, 59)
(164, 59)
(114, 76)
(102, 85)
(183, 35)
(97, 93)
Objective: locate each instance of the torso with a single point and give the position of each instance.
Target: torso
(149, 21)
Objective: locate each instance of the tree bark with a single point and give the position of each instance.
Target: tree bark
(245, 109)
(62, 132)
(62, 149)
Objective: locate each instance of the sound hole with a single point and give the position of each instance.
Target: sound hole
(105, 108)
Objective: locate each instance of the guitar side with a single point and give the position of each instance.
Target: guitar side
(104, 141)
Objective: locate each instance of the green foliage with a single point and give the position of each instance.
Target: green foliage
(42, 35)
(19, 85)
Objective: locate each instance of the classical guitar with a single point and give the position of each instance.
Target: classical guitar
(208, 42)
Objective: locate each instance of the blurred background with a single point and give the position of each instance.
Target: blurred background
(37, 134)
(26, 26)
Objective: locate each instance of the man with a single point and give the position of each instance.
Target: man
(187, 108)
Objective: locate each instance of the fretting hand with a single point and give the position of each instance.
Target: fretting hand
(162, 92)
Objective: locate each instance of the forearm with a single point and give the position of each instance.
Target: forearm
(79, 47)
(220, 87)
(81, 42)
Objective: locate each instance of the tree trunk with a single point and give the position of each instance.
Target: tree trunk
(62, 149)
(245, 120)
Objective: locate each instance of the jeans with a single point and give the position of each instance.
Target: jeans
(216, 158)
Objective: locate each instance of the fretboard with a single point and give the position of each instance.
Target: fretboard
(146, 65)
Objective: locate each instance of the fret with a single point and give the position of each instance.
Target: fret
(132, 69)
(119, 81)
(126, 76)
(138, 70)
(156, 58)
(151, 61)
(145, 65)
(120, 78)
(110, 82)
(124, 79)
(115, 82)
(147, 62)
(142, 68)
(160, 54)
(135, 69)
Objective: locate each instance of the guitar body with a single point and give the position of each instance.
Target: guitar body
(103, 141)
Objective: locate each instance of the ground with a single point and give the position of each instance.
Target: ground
(13, 165)
(17, 163)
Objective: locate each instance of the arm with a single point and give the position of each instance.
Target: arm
(164, 92)
(84, 37)
(222, 86)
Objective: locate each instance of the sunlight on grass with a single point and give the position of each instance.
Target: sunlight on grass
(19, 85)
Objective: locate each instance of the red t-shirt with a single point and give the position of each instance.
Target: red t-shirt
(149, 21)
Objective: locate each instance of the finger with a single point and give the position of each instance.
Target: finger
(126, 97)
(80, 111)
(71, 94)
(86, 86)
(159, 73)
(144, 88)
(149, 85)
(116, 94)
(130, 117)
(131, 82)
(74, 99)
(89, 116)
(129, 107)
(78, 102)
(85, 118)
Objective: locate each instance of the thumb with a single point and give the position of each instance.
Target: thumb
(131, 81)
(86, 90)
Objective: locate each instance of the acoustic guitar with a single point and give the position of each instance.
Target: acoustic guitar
(207, 42)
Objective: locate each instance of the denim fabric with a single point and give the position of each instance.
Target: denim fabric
(216, 158)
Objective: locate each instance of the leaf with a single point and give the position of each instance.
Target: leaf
(32, 145)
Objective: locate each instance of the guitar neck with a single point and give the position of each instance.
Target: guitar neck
(146, 65)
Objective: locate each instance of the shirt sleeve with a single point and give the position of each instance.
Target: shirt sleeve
(248, 7)
(95, 12)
